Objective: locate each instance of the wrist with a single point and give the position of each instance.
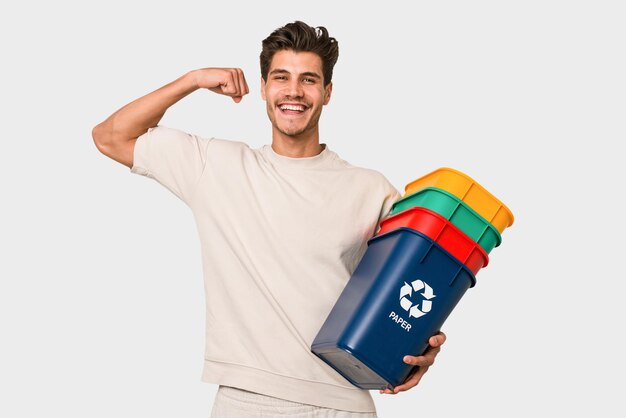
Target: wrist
(191, 80)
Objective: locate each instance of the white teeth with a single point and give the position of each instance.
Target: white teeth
(292, 107)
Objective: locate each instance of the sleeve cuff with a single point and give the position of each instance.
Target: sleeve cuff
(139, 164)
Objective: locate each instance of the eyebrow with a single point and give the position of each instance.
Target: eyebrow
(304, 74)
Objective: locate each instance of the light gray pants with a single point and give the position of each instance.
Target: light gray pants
(238, 403)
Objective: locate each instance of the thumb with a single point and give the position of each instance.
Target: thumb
(237, 99)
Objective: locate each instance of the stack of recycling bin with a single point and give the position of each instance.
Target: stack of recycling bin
(417, 267)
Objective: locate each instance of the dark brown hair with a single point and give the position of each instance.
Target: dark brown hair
(300, 37)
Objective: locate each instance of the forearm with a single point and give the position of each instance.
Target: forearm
(138, 116)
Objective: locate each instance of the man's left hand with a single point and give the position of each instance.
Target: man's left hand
(423, 362)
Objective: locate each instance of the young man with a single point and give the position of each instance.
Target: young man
(281, 227)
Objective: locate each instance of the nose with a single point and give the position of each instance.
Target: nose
(294, 88)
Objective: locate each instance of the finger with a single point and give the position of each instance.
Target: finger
(387, 391)
(241, 80)
(437, 339)
(409, 378)
(404, 386)
(428, 358)
(412, 381)
(431, 352)
(229, 84)
(236, 94)
(422, 361)
(246, 90)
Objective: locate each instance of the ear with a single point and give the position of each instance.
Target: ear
(263, 88)
(328, 90)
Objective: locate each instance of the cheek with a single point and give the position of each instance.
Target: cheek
(320, 96)
(271, 95)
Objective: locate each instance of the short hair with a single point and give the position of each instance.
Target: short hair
(300, 37)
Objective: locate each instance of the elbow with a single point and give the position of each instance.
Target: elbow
(96, 134)
(111, 146)
(100, 138)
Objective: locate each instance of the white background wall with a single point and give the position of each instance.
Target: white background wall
(101, 294)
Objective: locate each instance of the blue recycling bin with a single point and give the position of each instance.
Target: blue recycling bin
(400, 294)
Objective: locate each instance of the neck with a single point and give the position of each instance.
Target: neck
(299, 146)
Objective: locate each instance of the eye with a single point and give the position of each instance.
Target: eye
(309, 80)
(280, 77)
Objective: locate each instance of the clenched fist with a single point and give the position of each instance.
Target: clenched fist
(227, 81)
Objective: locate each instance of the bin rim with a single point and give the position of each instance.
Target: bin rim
(477, 184)
(452, 226)
(465, 205)
(422, 235)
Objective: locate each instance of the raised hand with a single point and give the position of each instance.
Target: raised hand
(227, 81)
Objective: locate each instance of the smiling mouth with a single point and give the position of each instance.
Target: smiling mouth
(292, 109)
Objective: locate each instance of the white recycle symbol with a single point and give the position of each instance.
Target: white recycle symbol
(407, 305)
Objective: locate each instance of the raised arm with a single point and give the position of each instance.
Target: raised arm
(115, 137)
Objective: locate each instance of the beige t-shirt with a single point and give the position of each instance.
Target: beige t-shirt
(280, 237)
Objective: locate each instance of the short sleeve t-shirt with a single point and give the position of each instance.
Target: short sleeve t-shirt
(280, 238)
